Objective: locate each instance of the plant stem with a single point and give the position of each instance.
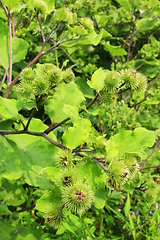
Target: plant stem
(10, 40)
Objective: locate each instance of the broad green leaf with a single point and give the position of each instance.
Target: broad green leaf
(18, 8)
(4, 45)
(6, 230)
(76, 135)
(52, 172)
(133, 141)
(34, 177)
(51, 5)
(111, 149)
(126, 4)
(84, 87)
(93, 174)
(71, 111)
(11, 3)
(15, 194)
(114, 50)
(94, 38)
(19, 46)
(65, 94)
(97, 80)
(26, 104)
(100, 197)
(8, 109)
(46, 202)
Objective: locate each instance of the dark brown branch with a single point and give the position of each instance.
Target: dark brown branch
(30, 118)
(39, 134)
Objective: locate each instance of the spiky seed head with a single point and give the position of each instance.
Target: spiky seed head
(78, 197)
(119, 172)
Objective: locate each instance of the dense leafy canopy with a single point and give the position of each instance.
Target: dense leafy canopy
(79, 119)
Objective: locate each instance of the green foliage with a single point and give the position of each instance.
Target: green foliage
(79, 119)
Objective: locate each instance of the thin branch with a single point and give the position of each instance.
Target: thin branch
(135, 32)
(96, 161)
(3, 79)
(71, 59)
(146, 95)
(48, 130)
(30, 118)
(149, 167)
(29, 65)
(41, 53)
(39, 134)
(13, 25)
(40, 23)
(101, 165)
(26, 209)
(59, 145)
(54, 29)
(33, 112)
(19, 19)
(10, 40)
(57, 44)
(157, 145)
(96, 22)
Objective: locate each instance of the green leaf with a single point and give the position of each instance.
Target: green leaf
(111, 149)
(19, 46)
(65, 94)
(48, 199)
(8, 109)
(71, 111)
(126, 4)
(51, 5)
(127, 206)
(94, 38)
(133, 141)
(76, 135)
(4, 45)
(11, 3)
(84, 87)
(132, 228)
(100, 197)
(52, 172)
(97, 80)
(114, 50)
(25, 104)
